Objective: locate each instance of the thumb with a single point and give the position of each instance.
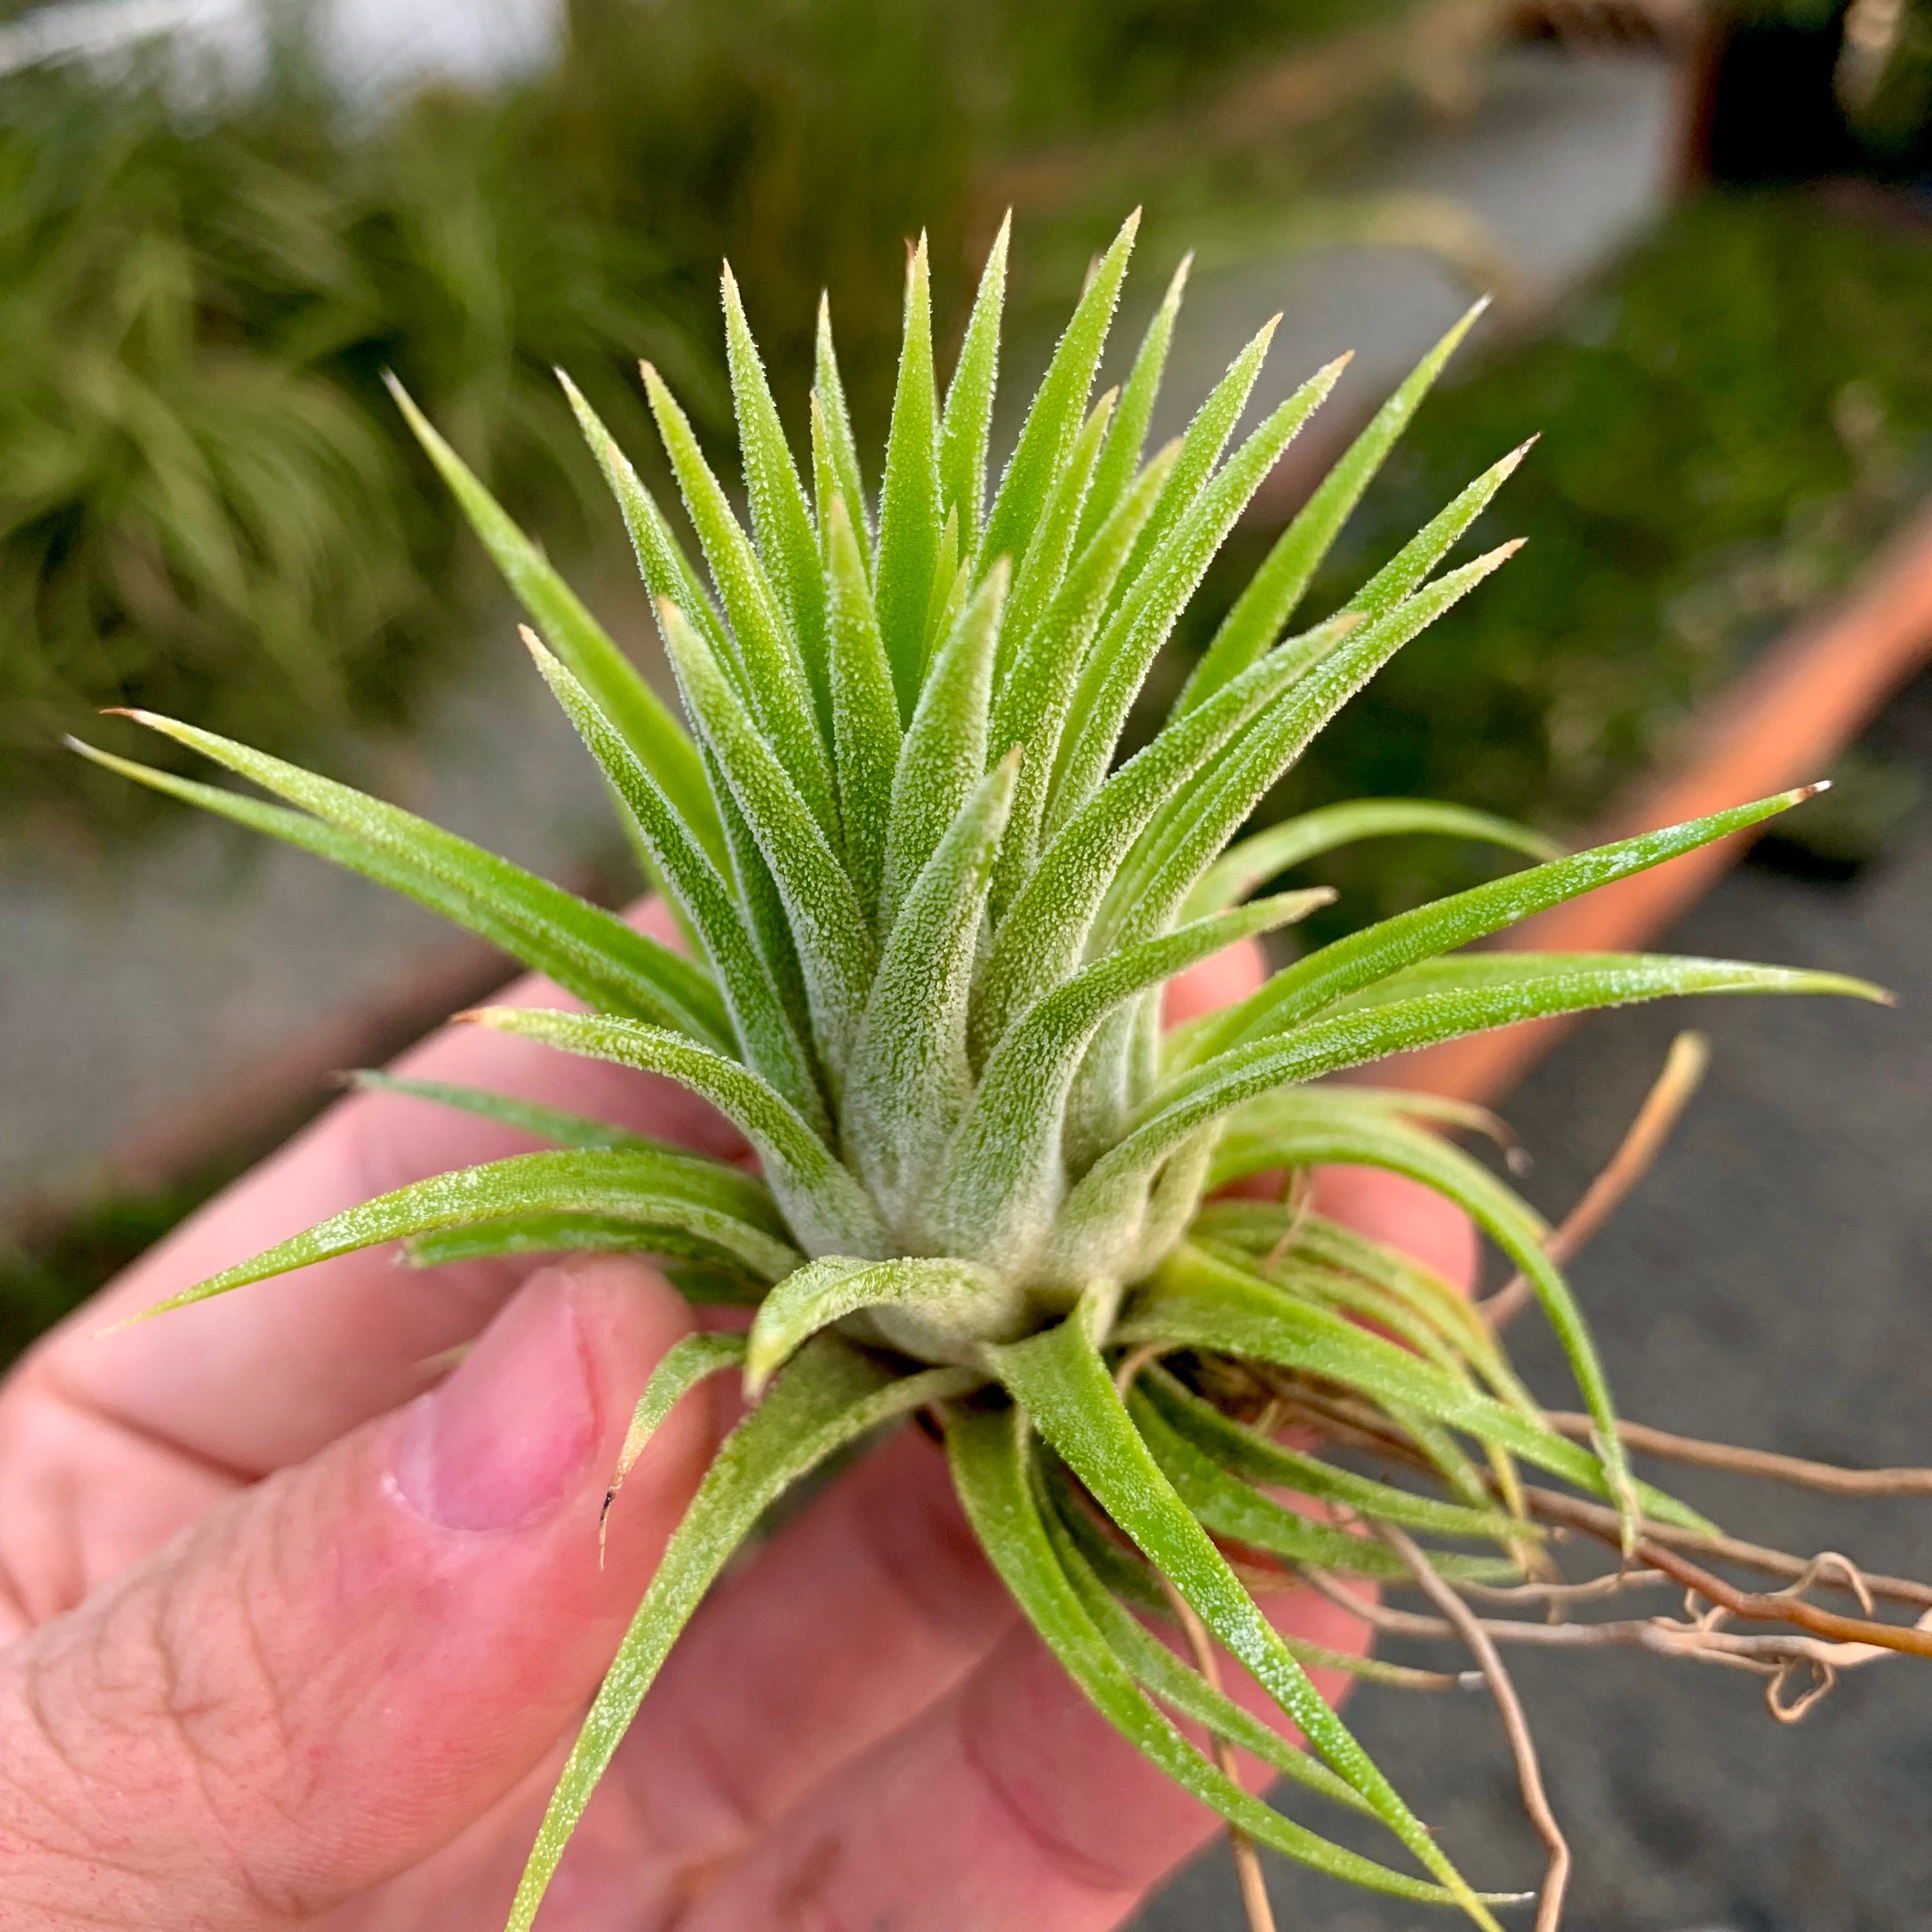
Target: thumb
(329, 1676)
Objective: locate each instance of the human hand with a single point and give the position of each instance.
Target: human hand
(299, 1622)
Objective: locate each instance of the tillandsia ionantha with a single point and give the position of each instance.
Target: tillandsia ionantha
(929, 911)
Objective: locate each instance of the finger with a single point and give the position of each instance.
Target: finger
(331, 1675)
(265, 1376)
(1012, 1802)
(1229, 976)
(1405, 1214)
(856, 1618)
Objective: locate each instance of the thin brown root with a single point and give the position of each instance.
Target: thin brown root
(1132, 1364)
(1613, 1584)
(1766, 1655)
(1301, 1200)
(1247, 1862)
(1825, 1476)
(1664, 1106)
(1522, 1746)
(1552, 1506)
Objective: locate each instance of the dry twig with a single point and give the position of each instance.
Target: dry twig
(1793, 1469)
(1247, 1862)
(1662, 1107)
(1522, 1746)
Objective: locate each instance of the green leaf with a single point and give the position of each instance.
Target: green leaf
(966, 424)
(825, 1207)
(549, 1124)
(1159, 1670)
(1195, 1299)
(1310, 985)
(1002, 1178)
(1268, 854)
(910, 514)
(835, 950)
(1047, 927)
(943, 755)
(831, 1395)
(1327, 1045)
(1030, 707)
(585, 950)
(909, 1079)
(829, 416)
(702, 1197)
(716, 1277)
(1193, 830)
(865, 716)
(901, 1297)
(634, 708)
(1059, 405)
(989, 1472)
(762, 1028)
(1227, 1506)
(1044, 568)
(1204, 440)
(1406, 570)
(768, 653)
(781, 519)
(689, 1361)
(1246, 1452)
(1118, 664)
(1059, 1380)
(1113, 474)
(1265, 606)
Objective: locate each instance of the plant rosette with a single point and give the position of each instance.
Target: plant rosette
(929, 911)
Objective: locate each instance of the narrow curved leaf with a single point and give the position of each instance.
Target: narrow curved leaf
(781, 519)
(1196, 1301)
(635, 711)
(1118, 664)
(704, 1197)
(528, 1116)
(864, 712)
(831, 1395)
(769, 1043)
(828, 395)
(1254, 861)
(910, 512)
(687, 1362)
(589, 952)
(1312, 984)
(1244, 1451)
(1113, 474)
(823, 1205)
(909, 1080)
(835, 950)
(970, 1303)
(1265, 606)
(1059, 404)
(943, 757)
(989, 1473)
(965, 425)
(1059, 1380)
(768, 653)
(700, 1270)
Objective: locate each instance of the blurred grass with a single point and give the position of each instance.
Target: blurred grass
(206, 505)
(1733, 420)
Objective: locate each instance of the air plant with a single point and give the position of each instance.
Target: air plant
(928, 912)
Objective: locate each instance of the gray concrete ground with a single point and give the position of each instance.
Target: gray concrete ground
(125, 994)
(1770, 1285)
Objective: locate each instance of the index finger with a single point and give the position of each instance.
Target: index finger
(265, 1376)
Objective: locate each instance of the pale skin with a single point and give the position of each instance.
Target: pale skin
(297, 1620)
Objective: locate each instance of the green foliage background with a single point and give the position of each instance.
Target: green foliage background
(207, 506)
(1731, 422)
